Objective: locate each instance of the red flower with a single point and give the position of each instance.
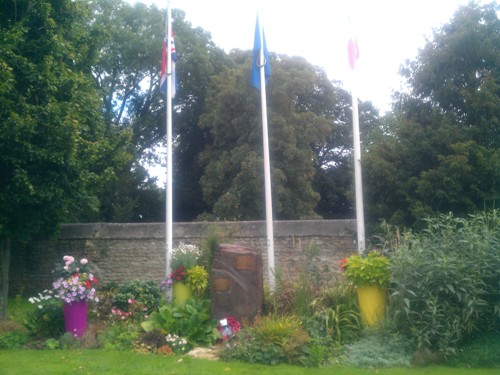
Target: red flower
(343, 264)
(88, 284)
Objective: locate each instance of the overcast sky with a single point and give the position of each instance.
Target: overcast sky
(388, 31)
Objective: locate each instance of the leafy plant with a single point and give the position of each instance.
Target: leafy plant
(16, 339)
(191, 320)
(120, 336)
(272, 340)
(446, 281)
(185, 256)
(197, 279)
(373, 269)
(47, 319)
(146, 292)
(380, 350)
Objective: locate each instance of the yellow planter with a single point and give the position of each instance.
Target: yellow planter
(372, 301)
(181, 293)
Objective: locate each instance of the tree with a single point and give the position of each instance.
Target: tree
(51, 135)
(441, 153)
(300, 101)
(334, 168)
(127, 73)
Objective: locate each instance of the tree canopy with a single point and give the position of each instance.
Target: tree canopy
(442, 151)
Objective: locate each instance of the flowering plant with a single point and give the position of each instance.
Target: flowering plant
(177, 344)
(75, 281)
(184, 258)
(230, 327)
(373, 269)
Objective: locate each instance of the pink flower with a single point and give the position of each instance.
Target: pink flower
(84, 261)
(68, 259)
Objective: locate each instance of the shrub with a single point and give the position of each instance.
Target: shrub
(14, 339)
(146, 292)
(373, 269)
(191, 320)
(482, 351)
(46, 320)
(120, 336)
(446, 281)
(338, 309)
(380, 350)
(197, 279)
(272, 340)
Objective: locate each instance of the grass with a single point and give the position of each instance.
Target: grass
(88, 362)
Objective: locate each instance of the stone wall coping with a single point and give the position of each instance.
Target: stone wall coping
(282, 228)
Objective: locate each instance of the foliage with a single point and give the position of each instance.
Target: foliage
(232, 182)
(130, 294)
(446, 281)
(120, 336)
(16, 339)
(337, 310)
(47, 319)
(480, 352)
(185, 256)
(179, 345)
(197, 279)
(75, 281)
(272, 340)
(380, 350)
(372, 269)
(439, 151)
(191, 320)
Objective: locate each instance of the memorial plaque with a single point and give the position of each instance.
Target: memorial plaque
(237, 283)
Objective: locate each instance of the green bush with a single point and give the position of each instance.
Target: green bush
(14, 339)
(481, 352)
(446, 284)
(146, 292)
(191, 320)
(338, 309)
(273, 340)
(379, 349)
(372, 269)
(120, 336)
(46, 320)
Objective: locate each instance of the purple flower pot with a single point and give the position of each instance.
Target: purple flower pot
(75, 317)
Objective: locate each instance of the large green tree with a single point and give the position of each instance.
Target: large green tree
(52, 141)
(300, 102)
(127, 73)
(441, 150)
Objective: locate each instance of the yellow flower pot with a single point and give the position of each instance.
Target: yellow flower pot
(372, 301)
(181, 293)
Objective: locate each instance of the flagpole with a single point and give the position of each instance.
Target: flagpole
(360, 217)
(168, 188)
(267, 169)
(353, 55)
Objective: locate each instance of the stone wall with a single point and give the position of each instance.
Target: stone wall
(120, 252)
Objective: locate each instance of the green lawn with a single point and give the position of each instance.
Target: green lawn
(101, 362)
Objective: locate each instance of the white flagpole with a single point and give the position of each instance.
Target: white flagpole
(267, 168)
(168, 188)
(360, 217)
(353, 55)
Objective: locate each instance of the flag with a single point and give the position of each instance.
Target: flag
(164, 73)
(352, 52)
(256, 63)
